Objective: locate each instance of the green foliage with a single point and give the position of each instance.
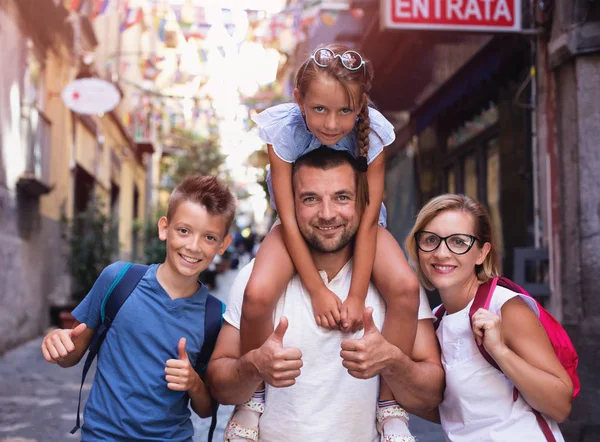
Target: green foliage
(92, 244)
(192, 155)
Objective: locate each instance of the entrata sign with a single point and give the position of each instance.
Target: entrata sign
(461, 15)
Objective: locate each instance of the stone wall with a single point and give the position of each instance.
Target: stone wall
(32, 269)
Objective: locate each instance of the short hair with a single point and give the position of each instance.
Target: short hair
(208, 192)
(490, 267)
(326, 158)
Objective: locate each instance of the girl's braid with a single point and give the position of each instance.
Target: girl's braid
(364, 129)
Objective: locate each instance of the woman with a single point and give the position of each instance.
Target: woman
(452, 248)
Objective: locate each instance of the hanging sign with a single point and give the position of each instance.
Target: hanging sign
(91, 96)
(458, 15)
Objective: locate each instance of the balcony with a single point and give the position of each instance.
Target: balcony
(35, 180)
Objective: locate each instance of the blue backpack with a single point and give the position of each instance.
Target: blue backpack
(118, 292)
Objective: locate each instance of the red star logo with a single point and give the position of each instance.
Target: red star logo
(75, 95)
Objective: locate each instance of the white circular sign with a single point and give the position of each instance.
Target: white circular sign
(91, 96)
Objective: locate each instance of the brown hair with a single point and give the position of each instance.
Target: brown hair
(208, 192)
(490, 267)
(362, 77)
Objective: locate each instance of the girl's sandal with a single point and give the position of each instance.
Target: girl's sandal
(236, 431)
(393, 412)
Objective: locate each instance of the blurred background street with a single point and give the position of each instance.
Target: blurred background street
(106, 105)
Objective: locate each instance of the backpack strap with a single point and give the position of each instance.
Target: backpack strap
(439, 315)
(213, 320)
(116, 295)
(483, 299)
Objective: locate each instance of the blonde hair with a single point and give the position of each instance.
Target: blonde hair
(490, 267)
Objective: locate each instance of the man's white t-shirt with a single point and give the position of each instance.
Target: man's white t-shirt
(326, 403)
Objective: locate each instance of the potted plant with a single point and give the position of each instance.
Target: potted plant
(92, 244)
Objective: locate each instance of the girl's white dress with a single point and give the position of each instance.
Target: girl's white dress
(478, 402)
(284, 128)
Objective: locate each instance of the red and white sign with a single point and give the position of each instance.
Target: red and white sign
(461, 15)
(91, 96)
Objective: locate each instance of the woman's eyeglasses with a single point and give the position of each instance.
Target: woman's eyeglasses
(351, 60)
(458, 243)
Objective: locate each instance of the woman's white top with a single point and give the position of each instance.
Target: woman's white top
(478, 402)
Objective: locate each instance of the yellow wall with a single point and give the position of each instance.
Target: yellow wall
(73, 144)
(58, 74)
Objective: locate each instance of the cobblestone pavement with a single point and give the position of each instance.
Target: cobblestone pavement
(38, 401)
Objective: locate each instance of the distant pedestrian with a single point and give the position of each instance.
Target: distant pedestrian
(332, 109)
(145, 373)
(452, 245)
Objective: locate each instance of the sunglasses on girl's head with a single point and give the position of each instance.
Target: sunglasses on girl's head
(351, 60)
(459, 243)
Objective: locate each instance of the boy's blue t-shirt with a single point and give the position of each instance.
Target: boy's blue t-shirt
(129, 399)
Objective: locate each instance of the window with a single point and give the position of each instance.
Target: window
(36, 126)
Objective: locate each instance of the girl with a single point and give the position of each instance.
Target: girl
(453, 248)
(331, 109)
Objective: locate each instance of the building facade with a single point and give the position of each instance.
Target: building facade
(53, 161)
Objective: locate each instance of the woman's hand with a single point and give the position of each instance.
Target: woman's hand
(487, 329)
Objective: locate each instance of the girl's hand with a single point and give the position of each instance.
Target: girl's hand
(352, 314)
(326, 307)
(487, 329)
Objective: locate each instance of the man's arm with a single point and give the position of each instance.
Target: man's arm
(233, 378)
(417, 384)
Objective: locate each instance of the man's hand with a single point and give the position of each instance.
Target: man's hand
(60, 343)
(352, 314)
(277, 365)
(368, 356)
(181, 376)
(326, 307)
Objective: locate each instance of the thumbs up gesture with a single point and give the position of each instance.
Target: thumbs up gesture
(60, 343)
(365, 357)
(277, 365)
(180, 375)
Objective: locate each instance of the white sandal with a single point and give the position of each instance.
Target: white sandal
(236, 431)
(393, 412)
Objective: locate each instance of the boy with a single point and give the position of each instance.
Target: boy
(145, 369)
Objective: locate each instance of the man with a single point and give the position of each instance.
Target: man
(331, 395)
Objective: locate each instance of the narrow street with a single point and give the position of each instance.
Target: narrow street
(38, 401)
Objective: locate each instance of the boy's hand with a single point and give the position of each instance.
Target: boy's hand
(352, 314)
(326, 306)
(181, 376)
(59, 343)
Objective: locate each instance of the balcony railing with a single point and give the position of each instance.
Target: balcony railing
(36, 178)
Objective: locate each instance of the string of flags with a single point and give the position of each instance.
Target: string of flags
(188, 21)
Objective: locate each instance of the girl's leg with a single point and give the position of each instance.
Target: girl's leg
(399, 286)
(273, 269)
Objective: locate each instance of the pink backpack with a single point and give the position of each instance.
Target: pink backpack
(563, 347)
